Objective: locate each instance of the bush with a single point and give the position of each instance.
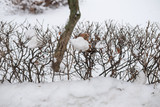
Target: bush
(117, 51)
(35, 6)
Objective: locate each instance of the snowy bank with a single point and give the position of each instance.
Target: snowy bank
(102, 92)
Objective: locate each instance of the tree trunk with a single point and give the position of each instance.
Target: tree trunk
(65, 37)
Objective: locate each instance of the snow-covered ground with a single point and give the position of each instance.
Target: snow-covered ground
(97, 92)
(102, 92)
(124, 11)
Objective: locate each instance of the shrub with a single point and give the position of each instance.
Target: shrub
(35, 6)
(118, 51)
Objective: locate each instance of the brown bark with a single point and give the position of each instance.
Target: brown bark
(63, 41)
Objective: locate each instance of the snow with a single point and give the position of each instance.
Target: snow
(55, 59)
(30, 35)
(80, 44)
(141, 78)
(99, 45)
(100, 91)
(52, 17)
(123, 11)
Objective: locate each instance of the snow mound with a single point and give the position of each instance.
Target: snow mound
(80, 44)
(30, 35)
(97, 92)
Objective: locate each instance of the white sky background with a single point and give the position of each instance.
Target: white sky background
(124, 11)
